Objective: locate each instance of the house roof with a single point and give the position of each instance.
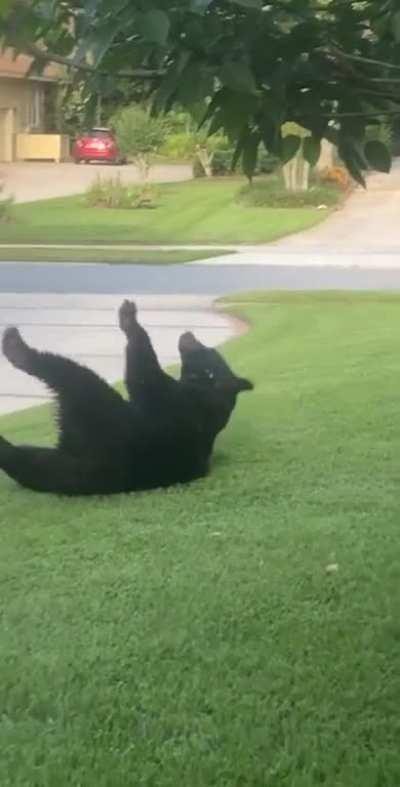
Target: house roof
(18, 67)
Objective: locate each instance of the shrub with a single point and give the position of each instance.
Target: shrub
(139, 135)
(179, 122)
(215, 153)
(336, 175)
(222, 161)
(179, 146)
(382, 132)
(266, 162)
(195, 145)
(6, 204)
(112, 193)
(198, 170)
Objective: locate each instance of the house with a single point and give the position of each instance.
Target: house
(27, 105)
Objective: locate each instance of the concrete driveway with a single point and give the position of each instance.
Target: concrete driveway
(369, 222)
(85, 328)
(28, 181)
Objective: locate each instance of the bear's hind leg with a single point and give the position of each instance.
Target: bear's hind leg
(48, 470)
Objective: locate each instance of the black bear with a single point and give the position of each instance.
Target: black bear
(163, 435)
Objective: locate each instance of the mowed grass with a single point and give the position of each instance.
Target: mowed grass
(193, 212)
(197, 636)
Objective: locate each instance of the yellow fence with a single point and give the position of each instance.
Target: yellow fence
(54, 147)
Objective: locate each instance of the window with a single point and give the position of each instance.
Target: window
(35, 114)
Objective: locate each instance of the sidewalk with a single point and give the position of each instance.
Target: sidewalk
(84, 327)
(280, 253)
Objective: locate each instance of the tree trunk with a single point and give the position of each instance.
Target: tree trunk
(143, 165)
(296, 174)
(205, 160)
(327, 157)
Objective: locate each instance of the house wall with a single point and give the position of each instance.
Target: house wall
(21, 110)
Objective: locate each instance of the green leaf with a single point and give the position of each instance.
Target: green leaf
(239, 148)
(236, 114)
(249, 155)
(257, 4)
(352, 160)
(5, 5)
(200, 6)
(311, 150)
(396, 26)
(213, 107)
(154, 26)
(195, 84)
(170, 83)
(96, 44)
(270, 132)
(238, 76)
(90, 6)
(378, 156)
(216, 123)
(289, 147)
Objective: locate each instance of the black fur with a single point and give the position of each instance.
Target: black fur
(163, 435)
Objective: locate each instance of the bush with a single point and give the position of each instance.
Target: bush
(179, 122)
(336, 175)
(139, 135)
(382, 133)
(112, 193)
(271, 193)
(222, 161)
(6, 204)
(185, 144)
(198, 170)
(266, 162)
(179, 146)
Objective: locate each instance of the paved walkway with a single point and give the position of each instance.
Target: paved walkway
(85, 328)
(28, 181)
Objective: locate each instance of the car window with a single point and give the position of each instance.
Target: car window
(101, 133)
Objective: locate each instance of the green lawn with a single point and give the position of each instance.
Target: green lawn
(110, 256)
(193, 212)
(194, 637)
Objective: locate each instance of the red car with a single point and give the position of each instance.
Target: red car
(99, 144)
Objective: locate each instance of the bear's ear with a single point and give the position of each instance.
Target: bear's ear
(244, 385)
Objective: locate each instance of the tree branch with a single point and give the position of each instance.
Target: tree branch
(358, 59)
(339, 115)
(50, 57)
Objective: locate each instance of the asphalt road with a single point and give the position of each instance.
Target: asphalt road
(190, 279)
